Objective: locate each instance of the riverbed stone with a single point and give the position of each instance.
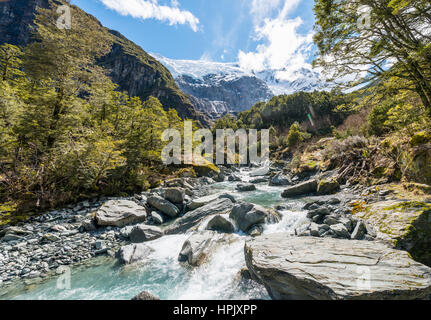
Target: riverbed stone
(145, 296)
(359, 231)
(193, 218)
(200, 202)
(133, 253)
(175, 195)
(328, 186)
(304, 188)
(245, 187)
(220, 224)
(340, 231)
(280, 180)
(119, 213)
(333, 269)
(197, 248)
(164, 206)
(142, 233)
(245, 215)
(263, 171)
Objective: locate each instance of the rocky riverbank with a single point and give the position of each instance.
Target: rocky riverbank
(348, 227)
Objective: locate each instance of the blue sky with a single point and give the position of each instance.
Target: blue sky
(260, 34)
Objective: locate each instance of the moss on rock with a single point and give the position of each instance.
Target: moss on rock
(404, 224)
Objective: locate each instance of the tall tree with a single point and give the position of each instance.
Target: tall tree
(376, 39)
(65, 58)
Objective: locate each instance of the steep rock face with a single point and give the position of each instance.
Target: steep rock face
(217, 88)
(16, 17)
(222, 94)
(128, 65)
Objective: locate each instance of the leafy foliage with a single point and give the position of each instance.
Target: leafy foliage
(65, 130)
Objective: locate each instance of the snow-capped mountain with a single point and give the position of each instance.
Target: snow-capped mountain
(301, 80)
(218, 88)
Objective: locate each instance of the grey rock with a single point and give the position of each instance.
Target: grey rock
(234, 178)
(12, 237)
(304, 188)
(145, 296)
(175, 195)
(133, 253)
(333, 269)
(314, 230)
(264, 171)
(220, 224)
(331, 220)
(328, 187)
(199, 246)
(245, 215)
(51, 237)
(227, 196)
(88, 225)
(119, 213)
(245, 187)
(200, 202)
(142, 233)
(193, 218)
(280, 180)
(320, 212)
(340, 230)
(157, 218)
(164, 206)
(259, 180)
(359, 231)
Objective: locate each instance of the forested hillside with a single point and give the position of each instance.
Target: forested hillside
(65, 130)
(127, 64)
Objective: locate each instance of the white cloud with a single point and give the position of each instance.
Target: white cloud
(281, 46)
(151, 9)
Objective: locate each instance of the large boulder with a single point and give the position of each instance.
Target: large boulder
(220, 224)
(143, 233)
(118, 213)
(264, 171)
(333, 269)
(199, 246)
(175, 195)
(280, 180)
(301, 189)
(145, 296)
(133, 253)
(206, 170)
(164, 206)
(328, 187)
(245, 187)
(193, 218)
(246, 215)
(406, 225)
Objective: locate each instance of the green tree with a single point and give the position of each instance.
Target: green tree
(395, 41)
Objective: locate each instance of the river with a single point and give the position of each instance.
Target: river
(164, 276)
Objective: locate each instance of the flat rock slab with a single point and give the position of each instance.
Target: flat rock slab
(200, 202)
(304, 188)
(332, 269)
(119, 213)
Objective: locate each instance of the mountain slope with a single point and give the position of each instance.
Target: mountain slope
(128, 65)
(218, 87)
